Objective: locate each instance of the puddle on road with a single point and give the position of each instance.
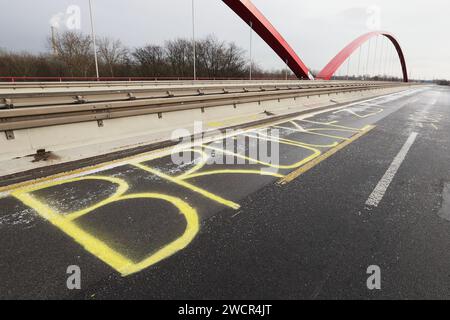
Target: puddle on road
(444, 213)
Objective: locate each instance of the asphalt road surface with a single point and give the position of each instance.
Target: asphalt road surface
(325, 197)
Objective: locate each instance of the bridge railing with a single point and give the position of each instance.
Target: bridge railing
(16, 114)
(14, 79)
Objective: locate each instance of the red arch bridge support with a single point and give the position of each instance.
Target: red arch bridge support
(259, 23)
(254, 18)
(330, 69)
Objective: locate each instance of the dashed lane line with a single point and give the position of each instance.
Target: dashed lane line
(380, 190)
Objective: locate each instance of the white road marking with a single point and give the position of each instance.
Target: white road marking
(380, 190)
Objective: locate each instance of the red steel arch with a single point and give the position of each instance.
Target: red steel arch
(328, 72)
(247, 11)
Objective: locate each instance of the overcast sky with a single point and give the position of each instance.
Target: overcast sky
(316, 29)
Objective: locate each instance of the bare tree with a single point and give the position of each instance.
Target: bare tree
(180, 57)
(112, 53)
(220, 59)
(27, 64)
(214, 58)
(75, 51)
(234, 62)
(152, 60)
(73, 56)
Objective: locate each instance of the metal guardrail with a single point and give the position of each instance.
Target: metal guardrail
(44, 86)
(82, 111)
(47, 95)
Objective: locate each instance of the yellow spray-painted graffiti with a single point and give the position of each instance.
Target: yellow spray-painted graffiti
(97, 247)
(67, 221)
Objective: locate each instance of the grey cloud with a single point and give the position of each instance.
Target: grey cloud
(316, 29)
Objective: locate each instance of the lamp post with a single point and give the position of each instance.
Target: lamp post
(251, 49)
(193, 40)
(93, 38)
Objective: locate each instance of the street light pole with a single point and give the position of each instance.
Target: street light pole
(193, 40)
(93, 39)
(375, 57)
(359, 61)
(348, 67)
(368, 59)
(251, 48)
(286, 68)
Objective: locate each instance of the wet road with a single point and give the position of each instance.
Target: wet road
(276, 212)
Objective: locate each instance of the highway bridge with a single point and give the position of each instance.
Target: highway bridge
(361, 180)
(228, 189)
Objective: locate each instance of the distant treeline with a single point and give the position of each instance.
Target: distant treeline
(442, 82)
(71, 54)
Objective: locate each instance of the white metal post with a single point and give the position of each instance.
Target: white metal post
(193, 40)
(286, 69)
(368, 59)
(392, 66)
(251, 49)
(93, 38)
(359, 61)
(375, 57)
(386, 42)
(348, 67)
